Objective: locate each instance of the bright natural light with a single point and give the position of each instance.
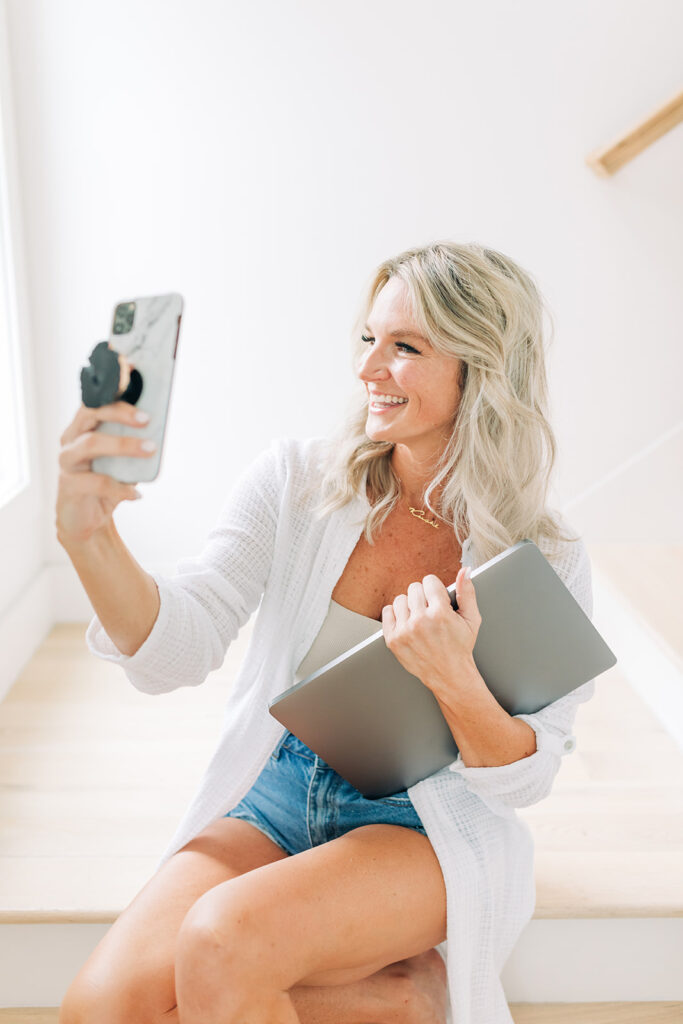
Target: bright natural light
(14, 472)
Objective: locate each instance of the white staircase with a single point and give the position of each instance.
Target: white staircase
(94, 777)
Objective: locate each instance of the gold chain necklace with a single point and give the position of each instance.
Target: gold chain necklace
(420, 513)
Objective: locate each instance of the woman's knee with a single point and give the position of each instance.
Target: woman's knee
(223, 936)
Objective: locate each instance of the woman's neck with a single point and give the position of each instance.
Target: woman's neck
(415, 474)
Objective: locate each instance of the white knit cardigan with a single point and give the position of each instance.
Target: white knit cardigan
(268, 551)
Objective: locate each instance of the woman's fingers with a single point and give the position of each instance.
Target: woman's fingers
(430, 592)
(435, 592)
(388, 619)
(98, 485)
(87, 419)
(417, 601)
(401, 609)
(86, 500)
(77, 456)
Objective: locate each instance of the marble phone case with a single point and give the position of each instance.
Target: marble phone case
(146, 331)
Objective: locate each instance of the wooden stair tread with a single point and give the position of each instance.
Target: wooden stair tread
(95, 776)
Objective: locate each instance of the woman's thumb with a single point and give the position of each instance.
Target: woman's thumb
(464, 588)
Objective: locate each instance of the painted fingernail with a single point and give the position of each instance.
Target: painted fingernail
(141, 417)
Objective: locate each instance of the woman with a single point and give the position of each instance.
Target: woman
(285, 896)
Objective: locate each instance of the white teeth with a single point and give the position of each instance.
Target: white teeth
(387, 400)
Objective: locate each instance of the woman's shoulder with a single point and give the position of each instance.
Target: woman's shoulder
(564, 547)
(283, 467)
(304, 456)
(290, 469)
(569, 558)
(300, 467)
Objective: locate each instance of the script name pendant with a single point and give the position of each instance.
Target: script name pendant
(420, 513)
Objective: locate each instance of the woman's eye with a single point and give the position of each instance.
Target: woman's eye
(399, 344)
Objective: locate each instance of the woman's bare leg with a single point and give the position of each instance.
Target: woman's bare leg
(130, 976)
(410, 990)
(413, 991)
(330, 915)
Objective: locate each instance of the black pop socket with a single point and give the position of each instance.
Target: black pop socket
(101, 380)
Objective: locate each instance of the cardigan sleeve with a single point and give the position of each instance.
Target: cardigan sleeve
(530, 779)
(212, 595)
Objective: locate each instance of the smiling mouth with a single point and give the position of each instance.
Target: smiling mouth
(374, 404)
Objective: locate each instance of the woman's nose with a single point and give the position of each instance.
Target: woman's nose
(372, 366)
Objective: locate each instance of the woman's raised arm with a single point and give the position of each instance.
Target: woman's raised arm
(212, 595)
(123, 595)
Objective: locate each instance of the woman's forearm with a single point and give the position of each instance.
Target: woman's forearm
(485, 734)
(125, 597)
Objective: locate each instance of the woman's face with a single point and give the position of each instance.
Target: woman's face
(398, 362)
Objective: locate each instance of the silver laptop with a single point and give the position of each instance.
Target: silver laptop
(382, 730)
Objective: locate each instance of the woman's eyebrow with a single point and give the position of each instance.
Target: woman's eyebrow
(402, 332)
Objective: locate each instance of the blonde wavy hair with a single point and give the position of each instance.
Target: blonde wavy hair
(479, 306)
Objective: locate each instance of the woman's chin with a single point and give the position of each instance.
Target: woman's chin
(382, 437)
(377, 433)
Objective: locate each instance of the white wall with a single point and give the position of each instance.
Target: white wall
(262, 158)
(26, 612)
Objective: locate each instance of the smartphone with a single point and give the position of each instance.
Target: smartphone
(146, 332)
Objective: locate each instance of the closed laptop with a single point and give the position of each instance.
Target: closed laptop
(382, 730)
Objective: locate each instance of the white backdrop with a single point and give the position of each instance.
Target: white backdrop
(262, 158)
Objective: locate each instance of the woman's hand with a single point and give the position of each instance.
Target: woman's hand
(86, 500)
(430, 639)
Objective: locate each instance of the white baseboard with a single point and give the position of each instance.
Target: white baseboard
(596, 960)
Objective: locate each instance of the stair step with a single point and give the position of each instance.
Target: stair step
(94, 777)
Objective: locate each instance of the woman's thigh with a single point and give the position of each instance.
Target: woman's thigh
(135, 959)
(353, 905)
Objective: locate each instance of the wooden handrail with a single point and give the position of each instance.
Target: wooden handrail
(609, 159)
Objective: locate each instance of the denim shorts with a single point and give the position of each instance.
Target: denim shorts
(299, 802)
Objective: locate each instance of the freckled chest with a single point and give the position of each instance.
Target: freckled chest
(403, 552)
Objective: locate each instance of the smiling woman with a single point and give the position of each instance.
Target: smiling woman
(457, 330)
(240, 921)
